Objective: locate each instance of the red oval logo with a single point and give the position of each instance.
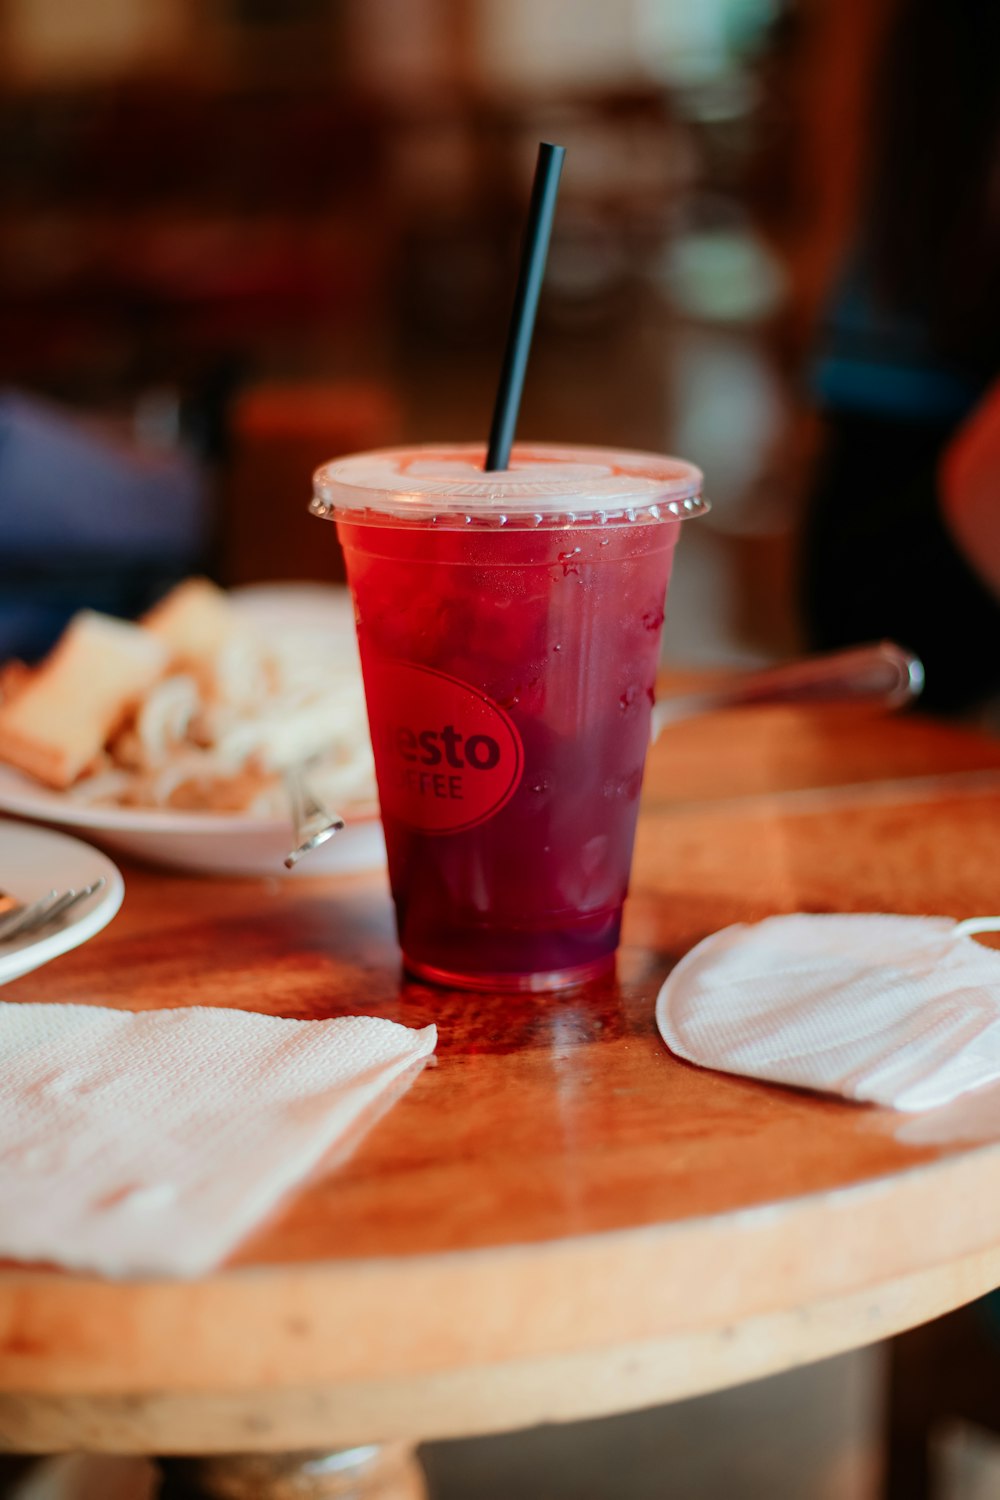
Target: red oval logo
(447, 757)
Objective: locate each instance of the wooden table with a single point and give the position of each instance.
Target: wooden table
(559, 1219)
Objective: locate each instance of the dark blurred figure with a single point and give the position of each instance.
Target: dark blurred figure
(90, 517)
(902, 533)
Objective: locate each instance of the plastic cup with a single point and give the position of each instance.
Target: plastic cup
(509, 629)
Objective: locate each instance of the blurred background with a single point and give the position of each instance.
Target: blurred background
(238, 237)
(246, 235)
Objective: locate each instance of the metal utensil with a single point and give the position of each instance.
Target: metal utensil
(22, 919)
(313, 823)
(883, 673)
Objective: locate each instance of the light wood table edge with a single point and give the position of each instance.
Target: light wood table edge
(478, 1400)
(290, 1327)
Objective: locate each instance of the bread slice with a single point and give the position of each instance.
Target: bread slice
(195, 622)
(60, 719)
(14, 675)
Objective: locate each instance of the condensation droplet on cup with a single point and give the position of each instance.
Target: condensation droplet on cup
(557, 646)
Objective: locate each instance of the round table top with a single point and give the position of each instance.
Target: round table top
(559, 1218)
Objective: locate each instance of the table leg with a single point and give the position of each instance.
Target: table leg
(376, 1472)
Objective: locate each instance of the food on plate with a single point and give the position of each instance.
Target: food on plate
(191, 708)
(56, 722)
(13, 675)
(196, 622)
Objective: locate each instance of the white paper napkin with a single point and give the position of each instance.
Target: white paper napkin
(152, 1143)
(903, 1011)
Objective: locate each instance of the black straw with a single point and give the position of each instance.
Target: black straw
(534, 252)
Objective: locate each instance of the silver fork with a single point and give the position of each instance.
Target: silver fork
(313, 823)
(20, 919)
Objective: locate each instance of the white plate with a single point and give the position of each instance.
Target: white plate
(34, 861)
(219, 843)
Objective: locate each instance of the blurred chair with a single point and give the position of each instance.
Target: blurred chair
(280, 435)
(940, 1374)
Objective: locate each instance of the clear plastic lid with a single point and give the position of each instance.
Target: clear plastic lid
(545, 485)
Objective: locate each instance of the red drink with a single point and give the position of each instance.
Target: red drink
(509, 672)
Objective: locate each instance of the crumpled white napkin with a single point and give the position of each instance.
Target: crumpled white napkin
(903, 1011)
(152, 1143)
